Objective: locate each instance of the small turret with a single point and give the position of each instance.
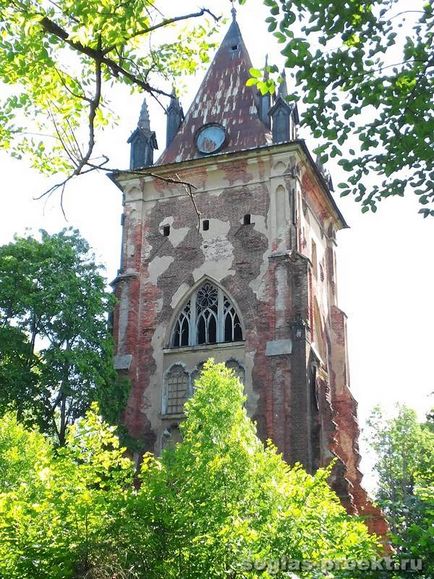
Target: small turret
(284, 117)
(325, 173)
(175, 116)
(143, 141)
(265, 101)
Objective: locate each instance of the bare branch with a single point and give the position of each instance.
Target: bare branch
(187, 186)
(167, 22)
(405, 12)
(61, 135)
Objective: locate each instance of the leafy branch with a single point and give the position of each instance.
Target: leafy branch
(57, 42)
(377, 118)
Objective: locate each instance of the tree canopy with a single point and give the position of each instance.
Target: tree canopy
(60, 61)
(405, 469)
(365, 73)
(216, 505)
(56, 351)
(363, 70)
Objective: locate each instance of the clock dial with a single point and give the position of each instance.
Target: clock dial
(210, 138)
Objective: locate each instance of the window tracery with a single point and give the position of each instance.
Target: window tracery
(209, 317)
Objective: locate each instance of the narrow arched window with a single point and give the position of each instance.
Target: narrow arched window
(209, 317)
(237, 369)
(176, 391)
(181, 332)
(206, 314)
(233, 331)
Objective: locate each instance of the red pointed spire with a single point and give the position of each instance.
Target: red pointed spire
(223, 98)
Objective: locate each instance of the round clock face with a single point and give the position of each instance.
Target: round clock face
(210, 138)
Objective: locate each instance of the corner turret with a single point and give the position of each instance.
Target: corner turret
(175, 116)
(284, 117)
(143, 141)
(264, 103)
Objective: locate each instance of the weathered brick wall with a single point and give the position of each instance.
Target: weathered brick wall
(292, 328)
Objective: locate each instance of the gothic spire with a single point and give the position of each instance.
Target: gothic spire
(144, 122)
(233, 11)
(284, 116)
(175, 116)
(264, 100)
(283, 87)
(143, 141)
(223, 99)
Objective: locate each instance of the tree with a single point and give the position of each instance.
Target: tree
(405, 469)
(216, 505)
(56, 351)
(367, 83)
(220, 501)
(56, 505)
(82, 49)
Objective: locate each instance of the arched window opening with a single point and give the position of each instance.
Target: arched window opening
(237, 369)
(181, 332)
(209, 317)
(233, 331)
(206, 314)
(177, 381)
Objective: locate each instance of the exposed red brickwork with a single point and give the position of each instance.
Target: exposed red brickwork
(294, 348)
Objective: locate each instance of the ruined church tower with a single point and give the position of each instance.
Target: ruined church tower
(228, 252)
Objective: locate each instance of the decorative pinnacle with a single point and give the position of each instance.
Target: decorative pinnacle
(144, 122)
(233, 11)
(283, 87)
(266, 73)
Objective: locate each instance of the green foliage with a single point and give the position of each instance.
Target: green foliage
(213, 506)
(56, 352)
(230, 503)
(365, 82)
(54, 511)
(81, 49)
(405, 469)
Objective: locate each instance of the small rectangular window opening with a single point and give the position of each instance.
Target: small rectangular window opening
(247, 219)
(205, 224)
(166, 230)
(234, 47)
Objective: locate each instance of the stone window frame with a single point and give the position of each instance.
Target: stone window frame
(189, 315)
(233, 363)
(166, 389)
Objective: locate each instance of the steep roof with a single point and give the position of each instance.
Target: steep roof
(224, 98)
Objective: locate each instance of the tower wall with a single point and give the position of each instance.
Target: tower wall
(279, 271)
(265, 267)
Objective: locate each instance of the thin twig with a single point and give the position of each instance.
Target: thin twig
(187, 186)
(166, 22)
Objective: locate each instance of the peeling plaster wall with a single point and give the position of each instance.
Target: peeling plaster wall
(286, 302)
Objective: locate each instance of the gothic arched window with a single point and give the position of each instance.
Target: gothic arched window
(209, 317)
(177, 390)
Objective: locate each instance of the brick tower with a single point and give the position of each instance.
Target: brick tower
(228, 252)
